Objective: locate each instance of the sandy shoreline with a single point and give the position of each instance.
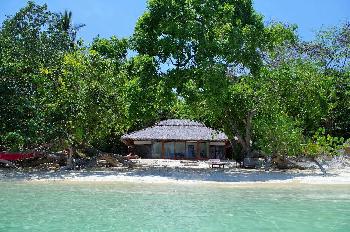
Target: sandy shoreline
(170, 171)
(186, 176)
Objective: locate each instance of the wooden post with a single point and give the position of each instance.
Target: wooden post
(225, 147)
(163, 150)
(208, 149)
(197, 151)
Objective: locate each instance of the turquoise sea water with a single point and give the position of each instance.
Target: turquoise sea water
(92, 206)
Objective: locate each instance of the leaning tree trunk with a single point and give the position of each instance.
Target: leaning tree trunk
(323, 170)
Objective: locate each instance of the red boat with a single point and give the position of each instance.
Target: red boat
(15, 156)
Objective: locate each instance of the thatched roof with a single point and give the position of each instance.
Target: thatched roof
(176, 129)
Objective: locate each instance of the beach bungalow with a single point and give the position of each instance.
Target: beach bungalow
(177, 139)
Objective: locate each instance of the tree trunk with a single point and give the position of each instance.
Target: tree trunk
(268, 162)
(70, 161)
(245, 140)
(248, 132)
(320, 166)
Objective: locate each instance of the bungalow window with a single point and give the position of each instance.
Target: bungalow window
(156, 150)
(203, 150)
(180, 150)
(143, 150)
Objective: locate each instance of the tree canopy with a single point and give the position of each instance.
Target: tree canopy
(213, 61)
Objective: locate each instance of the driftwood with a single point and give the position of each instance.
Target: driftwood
(8, 163)
(284, 163)
(108, 160)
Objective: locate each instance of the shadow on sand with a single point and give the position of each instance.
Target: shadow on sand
(178, 174)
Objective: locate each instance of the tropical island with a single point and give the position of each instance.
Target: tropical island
(208, 117)
(267, 99)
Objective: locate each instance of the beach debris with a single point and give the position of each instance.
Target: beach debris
(7, 163)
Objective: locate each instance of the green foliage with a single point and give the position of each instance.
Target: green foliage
(278, 135)
(147, 98)
(13, 140)
(88, 107)
(113, 48)
(339, 118)
(211, 55)
(31, 51)
(302, 92)
(212, 61)
(193, 33)
(330, 49)
(322, 144)
(65, 24)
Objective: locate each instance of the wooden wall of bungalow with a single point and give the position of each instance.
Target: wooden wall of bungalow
(179, 149)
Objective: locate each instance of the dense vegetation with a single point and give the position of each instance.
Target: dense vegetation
(211, 61)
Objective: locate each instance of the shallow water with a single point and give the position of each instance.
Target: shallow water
(115, 206)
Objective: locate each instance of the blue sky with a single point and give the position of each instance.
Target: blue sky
(118, 17)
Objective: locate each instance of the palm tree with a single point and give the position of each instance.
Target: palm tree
(68, 27)
(66, 21)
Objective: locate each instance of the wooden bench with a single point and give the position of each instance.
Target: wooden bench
(216, 163)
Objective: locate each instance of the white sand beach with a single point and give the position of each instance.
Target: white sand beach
(174, 171)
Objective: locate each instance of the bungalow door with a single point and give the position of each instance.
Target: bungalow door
(190, 150)
(216, 152)
(169, 151)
